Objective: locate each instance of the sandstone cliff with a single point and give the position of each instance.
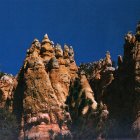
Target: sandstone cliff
(53, 98)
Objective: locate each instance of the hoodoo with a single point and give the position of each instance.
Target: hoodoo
(53, 98)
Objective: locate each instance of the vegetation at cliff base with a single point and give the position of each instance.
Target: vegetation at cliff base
(8, 125)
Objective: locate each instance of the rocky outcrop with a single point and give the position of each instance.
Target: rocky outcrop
(42, 114)
(44, 83)
(7, 87)
(118, 88)
(100, 75)
(53, 98)
(136, 58)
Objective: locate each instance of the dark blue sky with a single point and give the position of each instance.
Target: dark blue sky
(91, 26)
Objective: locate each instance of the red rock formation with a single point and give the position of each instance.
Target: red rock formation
(61, 78)
(47, 51)
(44, 84)
(100, 75)
(37, 103)
(54, 99)
(7, 86)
